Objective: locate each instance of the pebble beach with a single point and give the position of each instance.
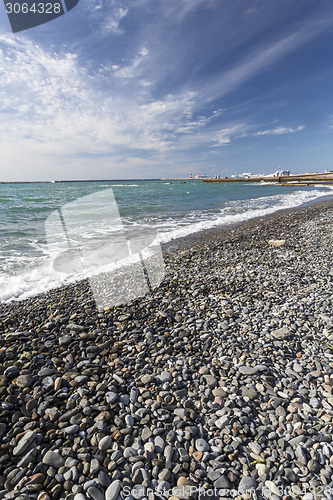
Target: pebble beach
(219, 384)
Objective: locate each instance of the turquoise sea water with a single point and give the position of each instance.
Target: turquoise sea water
(169, 209)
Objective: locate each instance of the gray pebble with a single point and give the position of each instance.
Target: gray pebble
(246, 484)
(54, 459)
(95, 493)
(113, 490)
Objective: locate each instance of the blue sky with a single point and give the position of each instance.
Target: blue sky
(152, 88)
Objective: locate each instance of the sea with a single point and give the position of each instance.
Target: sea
(40, 221)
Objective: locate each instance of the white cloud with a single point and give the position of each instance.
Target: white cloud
(112, 22)
(279, 131)
(107, 15)
(224, 136)
(133, 69)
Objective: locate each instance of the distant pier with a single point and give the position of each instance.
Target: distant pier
(305, 179)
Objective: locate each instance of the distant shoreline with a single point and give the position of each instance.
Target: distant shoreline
(315, 177)
(83, 180)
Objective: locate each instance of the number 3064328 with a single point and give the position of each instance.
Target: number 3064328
(34, 8)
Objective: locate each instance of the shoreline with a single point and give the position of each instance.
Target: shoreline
(221, 379)
(193, 238)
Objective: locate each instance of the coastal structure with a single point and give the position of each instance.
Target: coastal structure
(305, 178)
(281, 172)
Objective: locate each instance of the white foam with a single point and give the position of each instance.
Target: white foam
(327, 186)
(117, 185)
(24, 285)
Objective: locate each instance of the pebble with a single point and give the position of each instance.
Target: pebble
(222, 422)
(54, 459)
(249, 392)
(164, 377)
(246, 484)
(281, 333)
(134, 394)
(159, 444)
(248, 370)
(255, 447)
(95, 493)
(24, 443)
(273, 488)
(146, 379)
(222, 483)
(201, 445)
(219, 392)
(300, 454)
(111, 397)
(129, 420)
(113, 490)
(105, 443)
(24, 381)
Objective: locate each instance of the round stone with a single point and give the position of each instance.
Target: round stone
(24, 381)
(54, 459)
(95, 493)
(113, 490)
(246, 484)
(201, 445)
(105, 443)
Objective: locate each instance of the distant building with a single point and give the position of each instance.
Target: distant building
(280, 172)
(200, 176)
(244, 175)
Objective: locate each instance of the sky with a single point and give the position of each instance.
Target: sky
(153, 88)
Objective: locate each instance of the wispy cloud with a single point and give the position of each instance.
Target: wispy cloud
(177, 11)
(112, 22)
(264, 57)
(107, 15)
(279, 131)
(321, 147)
(132, 69)
(224, 136)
